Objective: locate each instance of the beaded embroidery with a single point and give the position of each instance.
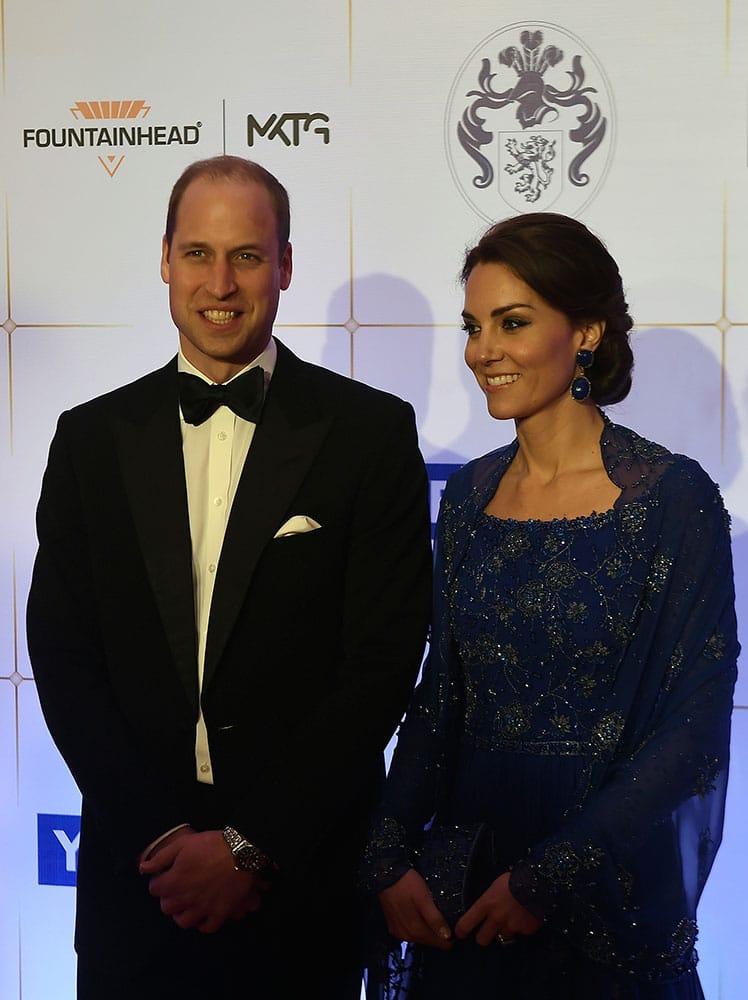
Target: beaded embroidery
(566, 641)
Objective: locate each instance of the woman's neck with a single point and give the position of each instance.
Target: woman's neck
(558, 470)
(553, 444)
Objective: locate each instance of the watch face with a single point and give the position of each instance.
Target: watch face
(250, 858)
(247, 857)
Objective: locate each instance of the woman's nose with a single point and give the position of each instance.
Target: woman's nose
(489, 347)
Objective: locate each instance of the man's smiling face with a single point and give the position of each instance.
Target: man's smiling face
(225, 272)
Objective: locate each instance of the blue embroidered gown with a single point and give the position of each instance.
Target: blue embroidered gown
(576, 699)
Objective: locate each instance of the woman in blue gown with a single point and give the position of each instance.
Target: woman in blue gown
(556, 798)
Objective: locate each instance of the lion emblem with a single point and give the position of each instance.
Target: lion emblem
(532, 162)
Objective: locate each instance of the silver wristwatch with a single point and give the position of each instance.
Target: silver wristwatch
(247, 857)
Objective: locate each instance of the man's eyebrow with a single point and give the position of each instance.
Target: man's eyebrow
(203, 245)
(196, 244)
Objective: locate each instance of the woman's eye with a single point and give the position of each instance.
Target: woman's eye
(469, 328)
(513, 323)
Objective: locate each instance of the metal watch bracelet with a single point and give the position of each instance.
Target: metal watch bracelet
(247, 857)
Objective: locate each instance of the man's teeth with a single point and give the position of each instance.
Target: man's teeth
(501, 379)
(219, 315)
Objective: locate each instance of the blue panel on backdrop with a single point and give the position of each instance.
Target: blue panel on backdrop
(58, 838)
(439, 473)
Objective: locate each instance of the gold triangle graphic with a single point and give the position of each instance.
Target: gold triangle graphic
(111, 167)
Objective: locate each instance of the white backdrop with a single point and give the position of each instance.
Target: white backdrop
(383, 204)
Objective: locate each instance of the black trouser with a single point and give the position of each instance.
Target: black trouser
(226, 966)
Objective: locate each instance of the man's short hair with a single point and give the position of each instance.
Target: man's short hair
(233, 168)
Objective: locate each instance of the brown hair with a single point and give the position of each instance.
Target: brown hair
(566, 264)
(233, 168)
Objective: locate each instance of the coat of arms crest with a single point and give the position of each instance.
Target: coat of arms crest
(532, 125)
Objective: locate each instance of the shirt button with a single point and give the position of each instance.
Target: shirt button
(205, 768)
(212, 568)
(222, 435)
(218, 501)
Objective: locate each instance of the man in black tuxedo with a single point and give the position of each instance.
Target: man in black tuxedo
(226, 617)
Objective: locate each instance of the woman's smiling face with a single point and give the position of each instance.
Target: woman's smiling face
(521, 350)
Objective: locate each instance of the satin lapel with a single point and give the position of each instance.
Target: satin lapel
(283, 448)
(150, 449)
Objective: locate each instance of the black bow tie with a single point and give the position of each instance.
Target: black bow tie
(244, 395)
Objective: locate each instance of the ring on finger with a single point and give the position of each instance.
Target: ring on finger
(504, 941)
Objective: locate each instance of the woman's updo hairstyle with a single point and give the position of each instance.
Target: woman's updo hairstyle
(561, 260)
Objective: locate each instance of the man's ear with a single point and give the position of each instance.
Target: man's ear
(164, 261)
(286, 267)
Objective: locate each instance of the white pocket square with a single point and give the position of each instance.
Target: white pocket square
(297, 525)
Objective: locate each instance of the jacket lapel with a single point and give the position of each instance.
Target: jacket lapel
(286, 441)
(150, 451)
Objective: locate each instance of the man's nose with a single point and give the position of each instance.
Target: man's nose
(221, 281)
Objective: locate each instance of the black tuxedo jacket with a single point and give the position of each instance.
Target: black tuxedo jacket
(313, 644)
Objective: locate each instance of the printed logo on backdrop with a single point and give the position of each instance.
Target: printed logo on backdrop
(289, 128)
(57, 848)
(110, 127)
(529, 123)
(438, 473)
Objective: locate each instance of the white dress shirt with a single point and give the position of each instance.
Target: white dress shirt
(214, 455)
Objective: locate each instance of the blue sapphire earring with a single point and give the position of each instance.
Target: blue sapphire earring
(581, 386)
